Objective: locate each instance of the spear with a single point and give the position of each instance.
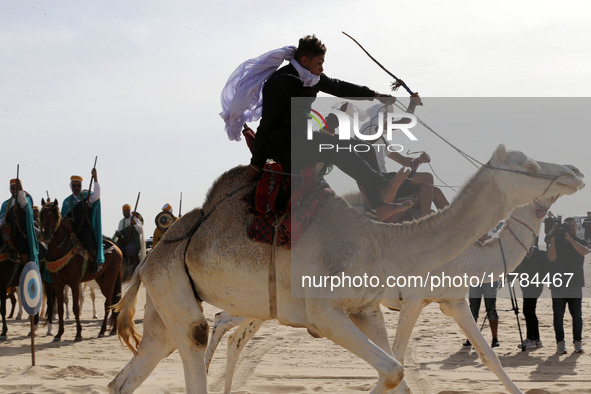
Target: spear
(137, 201)
(180, 204)
(398, 82)
(92, 178)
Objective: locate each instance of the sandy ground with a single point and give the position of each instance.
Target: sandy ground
(282, 359)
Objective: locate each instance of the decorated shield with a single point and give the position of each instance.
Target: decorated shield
(31, 288)
(164, 220)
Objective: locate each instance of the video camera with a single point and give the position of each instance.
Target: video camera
(560, 230)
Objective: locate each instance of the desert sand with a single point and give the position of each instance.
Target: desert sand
(287, 360)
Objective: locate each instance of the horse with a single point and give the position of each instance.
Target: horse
(10, 272)
(66, 261)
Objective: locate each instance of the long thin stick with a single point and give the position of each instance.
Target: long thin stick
(137, 201)
(17, 170)
(92, 178)
(399, 81)
(180, 204)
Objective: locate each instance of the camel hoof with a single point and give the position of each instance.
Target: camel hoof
(78, 338)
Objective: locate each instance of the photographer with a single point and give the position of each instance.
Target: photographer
(566, 255)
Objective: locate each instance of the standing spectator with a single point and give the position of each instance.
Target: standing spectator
(535, 263)
(587, 227)
(489, 292)
(566, 253)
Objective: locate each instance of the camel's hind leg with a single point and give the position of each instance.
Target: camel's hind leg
(169, 288)
(156, 344)
(460, 311)
(334, 324)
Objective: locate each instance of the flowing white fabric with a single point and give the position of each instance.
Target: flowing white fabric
(242, 98)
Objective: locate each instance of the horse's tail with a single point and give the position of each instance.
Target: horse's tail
(126, 329)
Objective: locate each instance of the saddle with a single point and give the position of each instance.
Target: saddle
(271, 202)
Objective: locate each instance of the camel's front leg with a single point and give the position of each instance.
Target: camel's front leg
(156, 344)
(236, 342)
(334, 324)
(460, 311)
(223, 322)
(409, 313)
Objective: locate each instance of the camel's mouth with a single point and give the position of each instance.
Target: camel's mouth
(572, 179)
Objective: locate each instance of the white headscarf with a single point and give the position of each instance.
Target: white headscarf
(242, 98)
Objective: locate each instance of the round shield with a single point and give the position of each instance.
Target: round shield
(164, 220)
(31, 288)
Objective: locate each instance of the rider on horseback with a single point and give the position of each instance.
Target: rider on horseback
(130, 237)
(16, 223)
(83, 209)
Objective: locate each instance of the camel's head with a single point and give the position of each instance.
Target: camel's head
(525, 179)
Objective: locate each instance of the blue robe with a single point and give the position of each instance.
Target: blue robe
(31, 234)
(95, 219)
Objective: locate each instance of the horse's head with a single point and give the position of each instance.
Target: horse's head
(49, 218)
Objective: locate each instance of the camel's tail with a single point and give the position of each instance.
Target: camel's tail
(126, 329)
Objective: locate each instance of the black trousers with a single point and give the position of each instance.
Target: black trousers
(331, 150)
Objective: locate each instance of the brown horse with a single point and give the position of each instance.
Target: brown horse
(10, 272)
(66, 263)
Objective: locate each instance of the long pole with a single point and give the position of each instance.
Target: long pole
(180, 204)
(137, 201)
(92, 177)
(32, 340)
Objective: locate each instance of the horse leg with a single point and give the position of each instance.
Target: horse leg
(76, 306)
(19, 315)
(83, 287)
(460, 311)
(156, 344)
(67, 302)
(59, 290)
(115, 299)
(324, 320)
(3, 313)
(12, 302)
(50, 295)
(93, 298)
(43, 303)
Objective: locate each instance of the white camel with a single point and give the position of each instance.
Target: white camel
(226, 269)
(516, 237)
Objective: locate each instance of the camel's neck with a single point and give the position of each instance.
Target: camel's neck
(515, 238)
(432, 241)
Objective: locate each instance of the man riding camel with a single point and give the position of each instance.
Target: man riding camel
(243, 99)
(17, 224)
(84, 210)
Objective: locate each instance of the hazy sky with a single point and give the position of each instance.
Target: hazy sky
(137, 83)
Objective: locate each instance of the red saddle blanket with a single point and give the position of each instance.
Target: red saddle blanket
(271, 203)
